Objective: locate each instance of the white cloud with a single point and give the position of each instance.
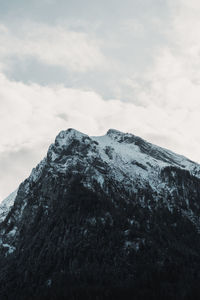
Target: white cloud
(172, 84)
(32, 115)
(52, 45)
(164, 109)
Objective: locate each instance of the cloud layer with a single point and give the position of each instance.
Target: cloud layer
(51, 45)
(159, 102)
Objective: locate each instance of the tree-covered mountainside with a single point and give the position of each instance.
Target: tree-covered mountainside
(111, 217)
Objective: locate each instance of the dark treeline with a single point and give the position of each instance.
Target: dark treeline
(96, 245)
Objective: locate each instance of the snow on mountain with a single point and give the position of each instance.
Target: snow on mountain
(6, 204)
(120, 157)
(123, 157)
(137, 158)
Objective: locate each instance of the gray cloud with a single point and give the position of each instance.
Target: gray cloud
(91, 10)
(128, 34)
(51, 45)
(94, 65)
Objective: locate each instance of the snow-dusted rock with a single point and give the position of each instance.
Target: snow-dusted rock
(6, 205)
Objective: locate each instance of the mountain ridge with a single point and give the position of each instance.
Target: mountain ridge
(119, 137)
(99, 210)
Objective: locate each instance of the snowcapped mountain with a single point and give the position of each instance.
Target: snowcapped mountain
(97, 210)
(121, 156)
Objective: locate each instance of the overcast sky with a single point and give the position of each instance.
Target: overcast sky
(133, 65)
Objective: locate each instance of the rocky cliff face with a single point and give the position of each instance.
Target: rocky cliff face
(105, 217)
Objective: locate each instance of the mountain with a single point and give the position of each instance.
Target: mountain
(109, 217)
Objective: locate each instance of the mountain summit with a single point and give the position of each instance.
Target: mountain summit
(103, 217)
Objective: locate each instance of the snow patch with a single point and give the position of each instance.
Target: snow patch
(6, 205)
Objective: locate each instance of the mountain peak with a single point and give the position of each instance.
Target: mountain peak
(119, 135)
(70, 133)
(112, 131)
(115, 133)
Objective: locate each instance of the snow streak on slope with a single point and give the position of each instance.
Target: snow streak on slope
(6, 204)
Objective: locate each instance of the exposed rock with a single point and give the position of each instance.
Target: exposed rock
(104, 217)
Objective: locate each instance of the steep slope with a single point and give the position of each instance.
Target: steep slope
(6, 205)
(103, 217)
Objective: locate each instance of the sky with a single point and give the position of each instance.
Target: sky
(132, 65)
